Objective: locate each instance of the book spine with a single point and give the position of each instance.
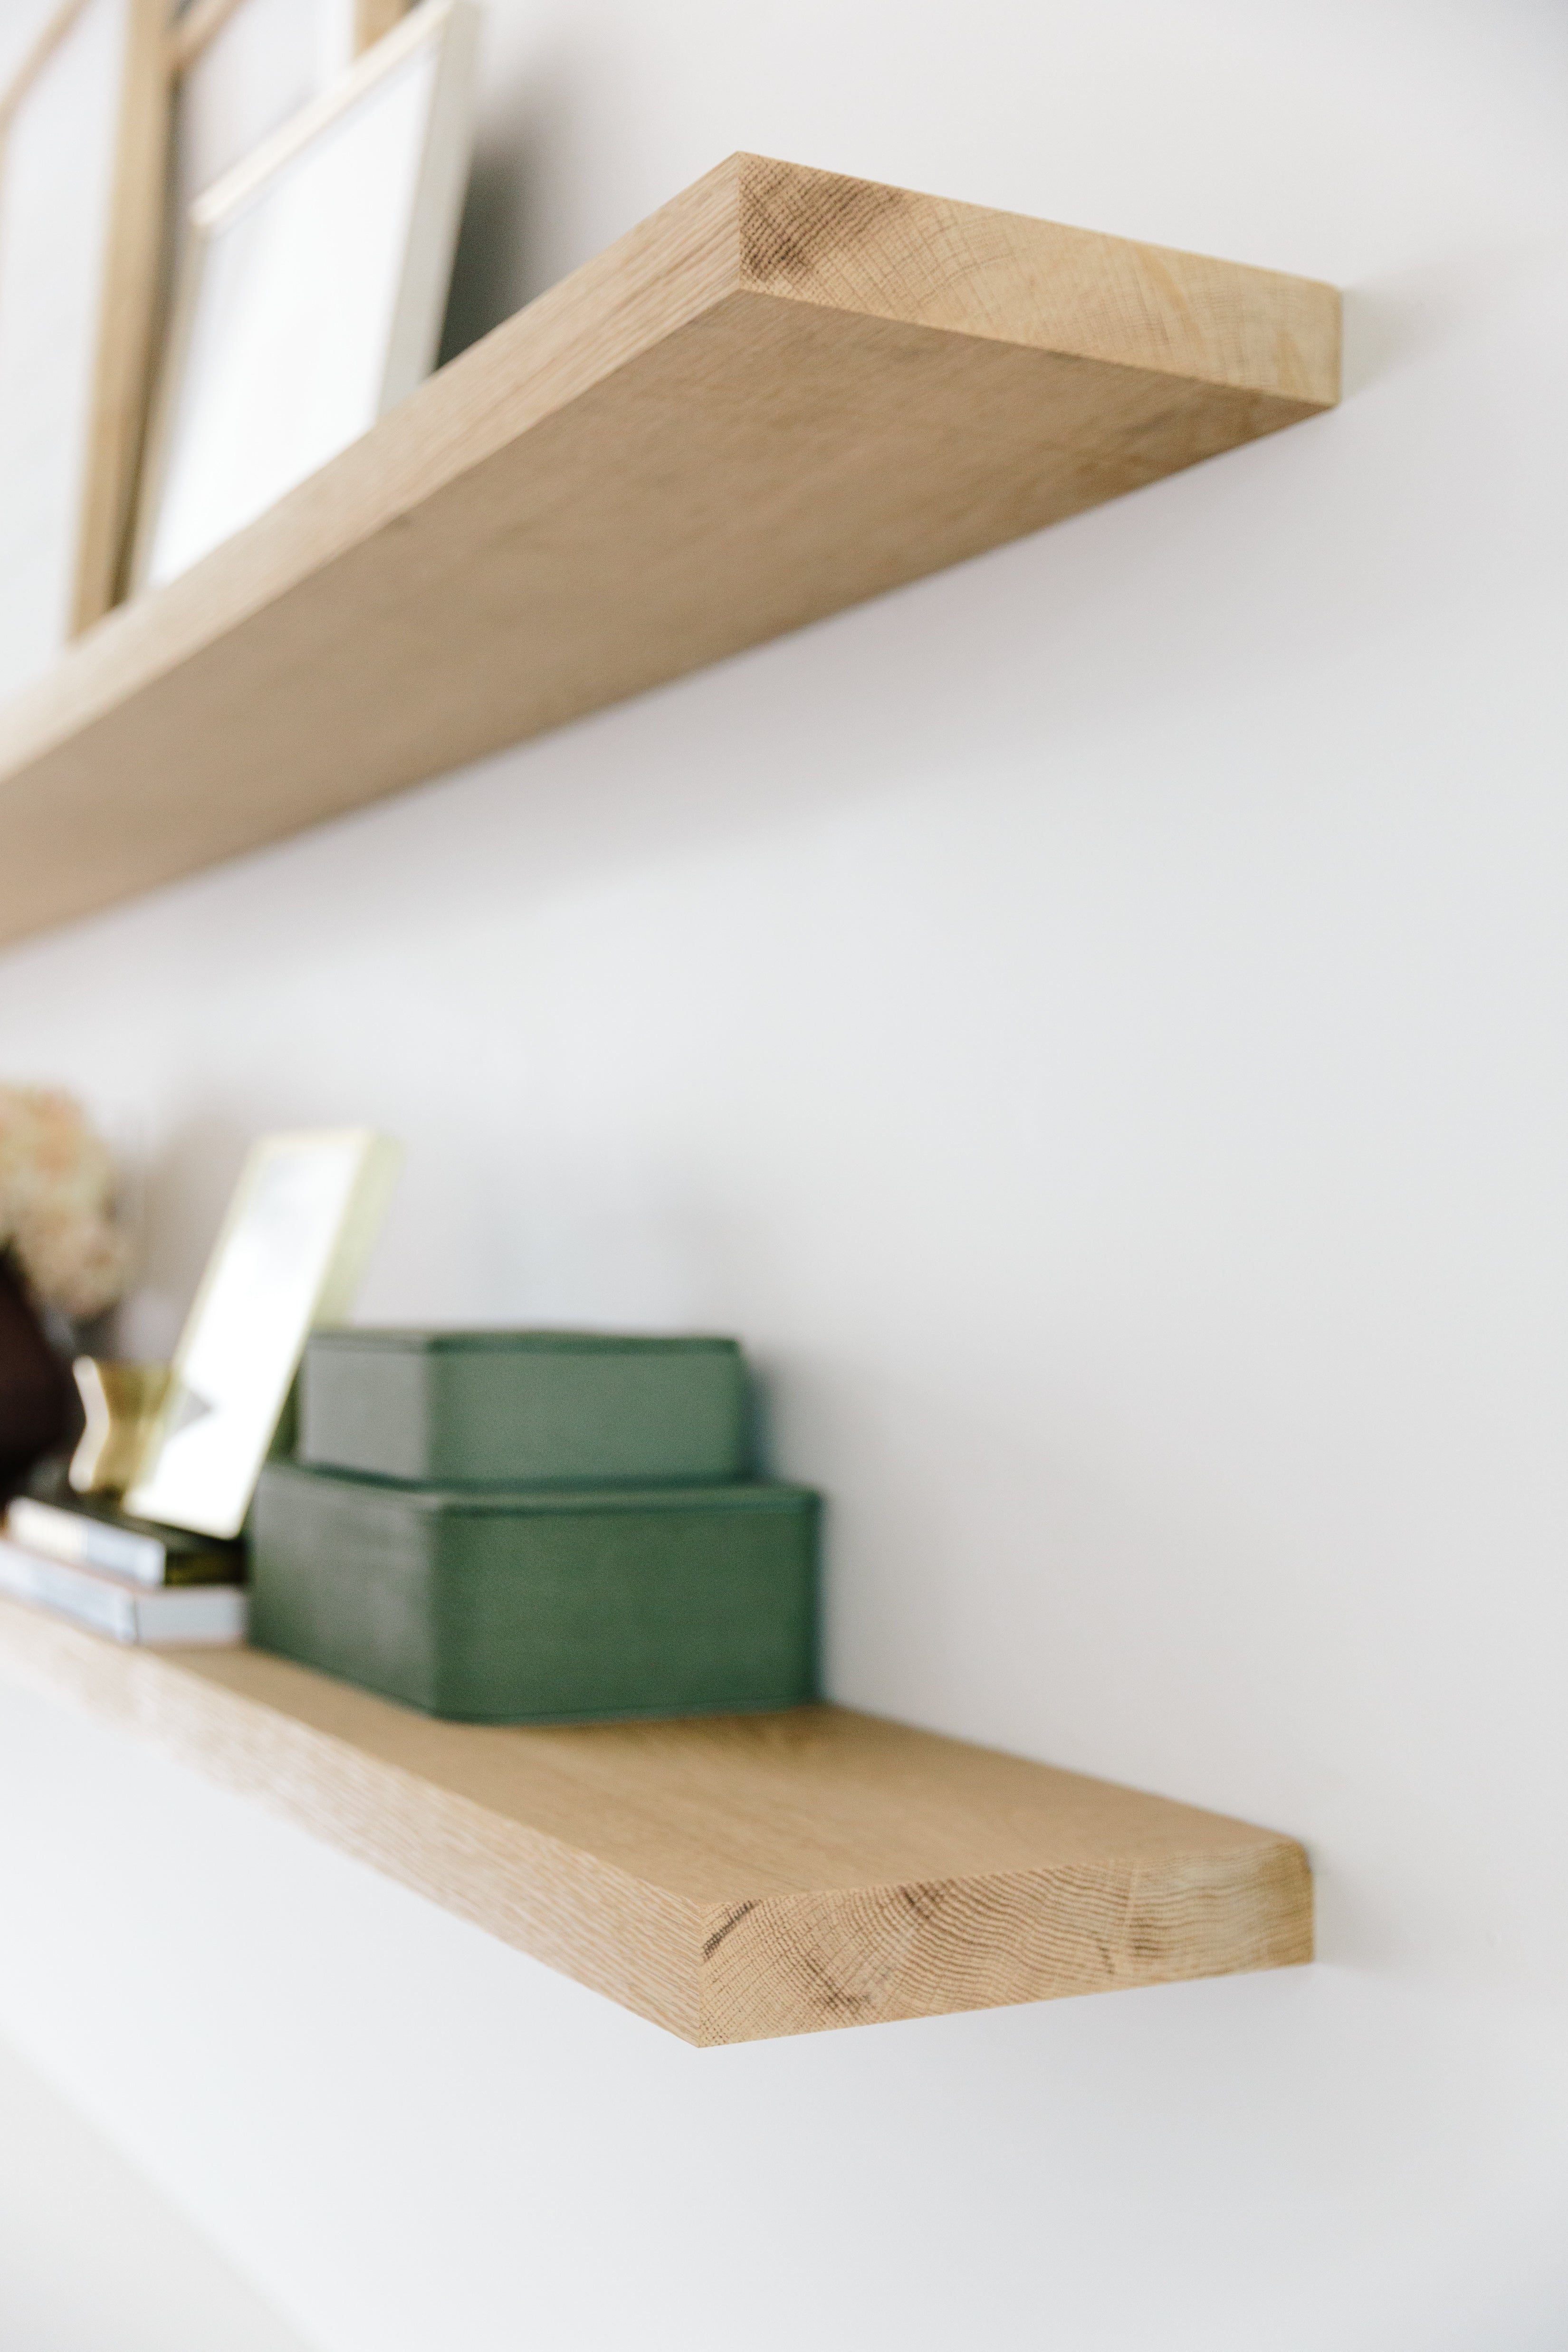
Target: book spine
(84, 1543)
(54, 1584)
(200, 1617)
(203, 1615)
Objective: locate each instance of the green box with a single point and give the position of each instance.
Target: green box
(513, 1408)
(541, 1605)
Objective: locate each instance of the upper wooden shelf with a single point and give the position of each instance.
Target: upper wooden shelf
(731, 1877)
(784, 392)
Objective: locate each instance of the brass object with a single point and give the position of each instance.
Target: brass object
(121, 1402)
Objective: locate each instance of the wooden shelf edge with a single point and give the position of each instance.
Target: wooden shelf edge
(732, 1878)
(786, 392)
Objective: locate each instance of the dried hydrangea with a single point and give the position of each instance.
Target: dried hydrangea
(57, 1203)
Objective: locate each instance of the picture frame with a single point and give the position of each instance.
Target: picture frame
(82, 130)
(242, 69)
(291, 1253)
(311, 290)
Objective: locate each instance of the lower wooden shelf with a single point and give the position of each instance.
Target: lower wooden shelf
(729, 1878)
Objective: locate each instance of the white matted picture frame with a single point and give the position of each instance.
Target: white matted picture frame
(82, 126)
(303, 1219)
(241, 69)
(311, 291)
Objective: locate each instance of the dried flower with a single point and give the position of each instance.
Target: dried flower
(56, 1202)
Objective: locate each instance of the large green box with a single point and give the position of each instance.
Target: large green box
(512, 1408)
(541, 1605)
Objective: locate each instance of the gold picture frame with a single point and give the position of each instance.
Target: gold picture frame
(298, 1229)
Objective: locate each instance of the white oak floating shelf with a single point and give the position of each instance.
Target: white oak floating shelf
(731, 1877)
(784, 393)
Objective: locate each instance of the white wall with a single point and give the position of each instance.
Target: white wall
(91, 2259)
(1093, 1023)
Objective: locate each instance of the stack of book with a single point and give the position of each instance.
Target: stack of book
(123, 1577)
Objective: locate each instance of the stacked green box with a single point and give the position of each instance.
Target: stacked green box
(525, 1408)
(535, 1526)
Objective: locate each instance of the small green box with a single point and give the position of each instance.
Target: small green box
(541, 1605)
(519, 1408)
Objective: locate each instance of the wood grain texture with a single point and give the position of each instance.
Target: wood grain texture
(731, 1878)
(784, 393)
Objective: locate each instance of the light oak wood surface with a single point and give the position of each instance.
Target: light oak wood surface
(784, 392)
(731, 1878)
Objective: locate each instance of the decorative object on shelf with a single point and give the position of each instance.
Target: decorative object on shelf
(311, 290)
(203, 1616)
(93, 1533)
(511, 1527)
(522, 1408)
(121, 1403)
(243, 68)
(294, 1243)
(81, 190)
(34, 1388)
(786, 392)
(57, 1203)
(541, 1604)
(60, 1248)
(69, 1550)
(189, 1438)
